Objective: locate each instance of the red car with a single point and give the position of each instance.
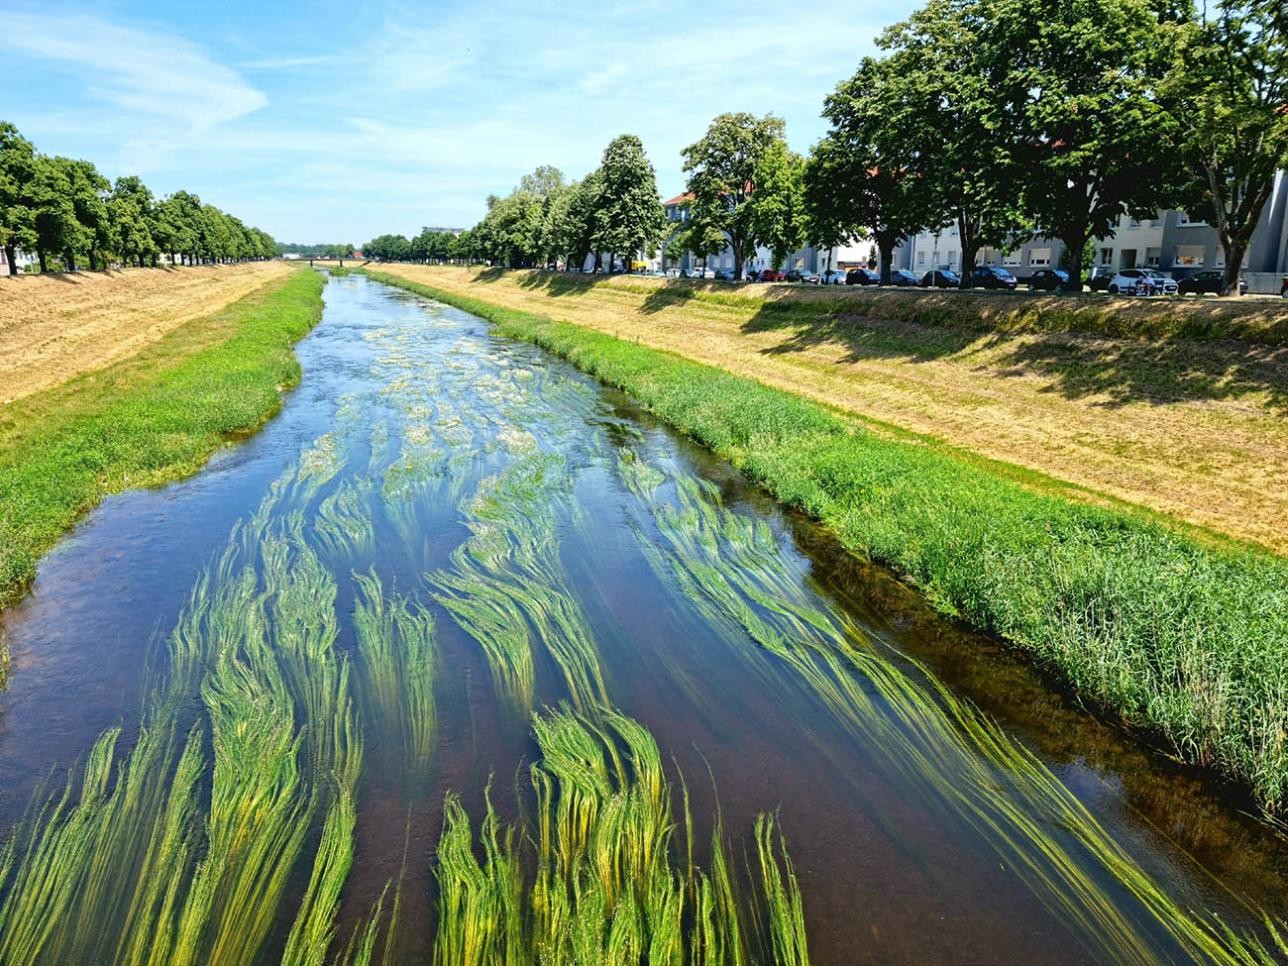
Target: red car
(773, 275)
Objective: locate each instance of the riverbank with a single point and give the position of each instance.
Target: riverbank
(153, 417)
(55, 327)
(1179, 637)
(1192, 429)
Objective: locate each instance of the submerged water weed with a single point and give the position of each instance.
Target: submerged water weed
(608, 884)
(396, 651)
(507, 588)
(144, 863)
(733, 569)
(343, 528)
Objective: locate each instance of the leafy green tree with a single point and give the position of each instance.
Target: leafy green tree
(56, 227)
(864, 176)
(777, 205)
(630, 219)
(129, 213)
(1080, 83)
(87, 191)
(1228, 92)
(17, 174)
(940, 84)
(721, 169)
(582, 225)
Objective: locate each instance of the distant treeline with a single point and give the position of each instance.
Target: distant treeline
(314, 251)
(63, 208)
(429, 246)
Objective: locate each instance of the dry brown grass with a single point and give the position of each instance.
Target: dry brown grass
(1193, 429)
(54, 327)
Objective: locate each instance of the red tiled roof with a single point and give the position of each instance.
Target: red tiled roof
(678, 199)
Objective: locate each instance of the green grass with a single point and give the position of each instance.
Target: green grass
(1181, 639)
(152, 418)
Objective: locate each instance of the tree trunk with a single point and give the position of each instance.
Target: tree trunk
(738, 260)
(1074, 244)
(885, 250)
(44, 264)
(70, 259)
(11, 255)
(970, 248)
(1235, 249)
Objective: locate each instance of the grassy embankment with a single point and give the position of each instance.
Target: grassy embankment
(1193, 428)
(1182, 637)
(151, 418)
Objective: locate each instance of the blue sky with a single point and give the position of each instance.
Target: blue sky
(340, 121)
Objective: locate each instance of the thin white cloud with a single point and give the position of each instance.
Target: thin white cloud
(144, 71)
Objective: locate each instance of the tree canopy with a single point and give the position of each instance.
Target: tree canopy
(64, 208)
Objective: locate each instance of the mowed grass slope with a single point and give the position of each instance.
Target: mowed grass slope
(1183, 637)
(155, 416)
(1130, 400)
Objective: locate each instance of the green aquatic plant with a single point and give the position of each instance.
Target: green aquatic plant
(396, 650)
(609, 883)
(734, 570)
(343, 528)
(507, 588)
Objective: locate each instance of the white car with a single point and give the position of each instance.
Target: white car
(834, 276)
(1142, 281)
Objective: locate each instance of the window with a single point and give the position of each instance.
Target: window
(1012, 258)
(1153, 256)
(1133, 223)
(1039, 256)
(1127, 258)
(1188, 255)
(952, 261)
(1106, 256)
(1184, 219)
(921, 259)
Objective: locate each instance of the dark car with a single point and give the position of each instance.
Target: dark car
(1207, 283)
(1100, 278)
(794, 275)
(772, 275)
(862, 276)
(1048, 280)
(724, 274)
(991, 276)
(901, 276)
(941, 278)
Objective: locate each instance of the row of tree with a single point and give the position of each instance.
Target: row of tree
(321, 250)
(985, 114)
(62, 207)
(1007, 120)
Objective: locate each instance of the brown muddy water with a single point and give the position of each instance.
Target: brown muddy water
(266, 681)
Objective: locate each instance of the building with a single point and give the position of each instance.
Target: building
(22, 259)
(1172, 242)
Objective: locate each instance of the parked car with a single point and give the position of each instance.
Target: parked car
(992, 276)
(1207, 283)
(701, 273)
(833, 276)
(862, 276)
(724, 274)
(1048, 280)
(1141, 281)
(901, 277)
(1100, 278)
(772, 275)
(941, 278)
(800, 275)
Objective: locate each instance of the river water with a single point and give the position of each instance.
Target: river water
(456, 576)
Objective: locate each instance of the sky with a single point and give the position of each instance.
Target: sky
(336, 122)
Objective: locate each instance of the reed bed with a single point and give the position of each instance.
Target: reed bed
(971, 772)
(609, 882)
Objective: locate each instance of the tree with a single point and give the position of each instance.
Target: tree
(777, 204)
(17, 174)
(864, 176)
(1228, 92)
(1080, 83)
(87, 190)
(129, 212)
(721, 169)
(56, 227)
(582, 226)
(941, 84)
(630, 218)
